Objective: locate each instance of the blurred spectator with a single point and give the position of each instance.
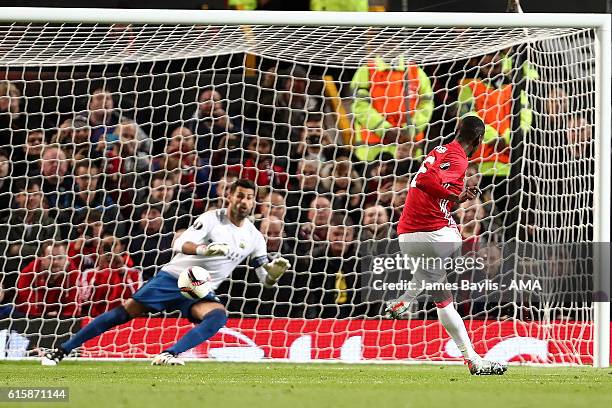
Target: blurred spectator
(101, 113)
(162, 193)
(579, 138)
(393, 104)
(272, 228)
(103, 118)
(468, 217)
(378, 173)
(281, 105)
(27, 160)
(74, 137)
(150, 244)
(312, 143)
(556, 104)
(211, 121)
(273, 205)
(333, 278)
(110, 282)
(180, 162)
(376, 223)
(57, 183)
(303, 188)
(340, 179)
(312, 233)
(9, 98)
(127, 168)
(124, 153)
(385, 193)
(260, 165)
(47, 286)
(11, 119)
(89, 195)
(23, 230)
(5, 182)
(83, 250)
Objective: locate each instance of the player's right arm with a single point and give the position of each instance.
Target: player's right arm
(192, 241)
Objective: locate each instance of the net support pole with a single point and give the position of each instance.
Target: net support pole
(601, 196)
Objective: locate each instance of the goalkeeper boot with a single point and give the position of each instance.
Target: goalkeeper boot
(165, 358)
(53, 357)
(479, 366)
(397, 309)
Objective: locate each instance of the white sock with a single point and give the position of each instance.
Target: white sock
(450, 319)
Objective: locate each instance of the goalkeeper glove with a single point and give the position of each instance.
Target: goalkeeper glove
(276, 268)
(212, 249)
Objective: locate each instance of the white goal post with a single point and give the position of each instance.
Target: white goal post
(332, 43)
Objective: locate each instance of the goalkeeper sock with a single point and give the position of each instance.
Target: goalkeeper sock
(96, 327)
(212, 322)
(452, 322)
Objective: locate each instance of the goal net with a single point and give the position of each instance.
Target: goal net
(116, 136)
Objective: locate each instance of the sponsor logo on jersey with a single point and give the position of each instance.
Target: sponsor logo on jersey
(441, 149)
(445, 166)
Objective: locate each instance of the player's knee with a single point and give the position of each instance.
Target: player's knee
(216, 318)
(134, 308)
(200, 310)
(442, 298)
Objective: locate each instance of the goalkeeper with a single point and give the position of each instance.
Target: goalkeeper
(217, 241)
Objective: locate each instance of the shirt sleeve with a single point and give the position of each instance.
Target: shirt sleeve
(451, 167)
(430, 182)
(197, 232)
(259, 256)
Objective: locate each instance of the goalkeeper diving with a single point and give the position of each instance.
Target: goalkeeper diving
(217, 241)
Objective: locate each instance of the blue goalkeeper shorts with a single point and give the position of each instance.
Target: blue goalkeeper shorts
(161, 292)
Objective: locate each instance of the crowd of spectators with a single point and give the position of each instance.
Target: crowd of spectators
(89, 209)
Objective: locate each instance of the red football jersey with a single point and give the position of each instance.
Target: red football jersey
(39, 292)
(423, 212)
(104, 289)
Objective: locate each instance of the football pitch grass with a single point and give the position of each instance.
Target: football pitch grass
(271, 385)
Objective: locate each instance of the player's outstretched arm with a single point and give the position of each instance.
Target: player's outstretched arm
(192, 241)
(212, 249)
(268, 272)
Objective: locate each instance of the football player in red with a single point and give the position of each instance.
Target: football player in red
(427, 230)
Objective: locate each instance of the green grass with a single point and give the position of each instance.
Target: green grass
(204, 385)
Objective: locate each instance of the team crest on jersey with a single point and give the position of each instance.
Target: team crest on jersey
(445, 166)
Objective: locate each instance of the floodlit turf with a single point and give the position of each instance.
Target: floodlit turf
(202, 385)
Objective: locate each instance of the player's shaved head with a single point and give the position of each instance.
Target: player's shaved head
(470, 133)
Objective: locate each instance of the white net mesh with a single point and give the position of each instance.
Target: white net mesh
(115, 137)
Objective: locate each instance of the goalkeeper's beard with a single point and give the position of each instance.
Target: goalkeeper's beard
(239, 212)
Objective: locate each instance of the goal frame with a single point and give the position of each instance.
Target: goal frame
(599, 22)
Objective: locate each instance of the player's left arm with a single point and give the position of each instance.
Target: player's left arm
(268, 272)
(434, 176)
(453, 168)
